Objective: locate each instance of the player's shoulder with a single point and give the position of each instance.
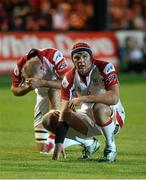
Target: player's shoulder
(68, 78)
(21, 62)
(48, 51)
(19, 65)
(104, 66)
(52, 54)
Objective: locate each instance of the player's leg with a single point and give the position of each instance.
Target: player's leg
(103, 117)
(54, 96)
(78, 129)
(44, 141)
(51, 119)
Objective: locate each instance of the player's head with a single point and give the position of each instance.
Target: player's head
(33, 53)
(82, 57)
(33, 68)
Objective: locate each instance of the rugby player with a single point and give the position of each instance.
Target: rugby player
(101, 112)
(51, 66)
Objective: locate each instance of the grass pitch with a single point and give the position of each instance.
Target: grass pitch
(19, 159)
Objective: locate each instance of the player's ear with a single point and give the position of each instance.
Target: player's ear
(23, 73)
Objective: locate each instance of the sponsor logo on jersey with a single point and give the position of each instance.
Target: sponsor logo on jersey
(57, 57)
(109, 68)
(62, 66)
(95, 81)
(110, 78)
(16, 71)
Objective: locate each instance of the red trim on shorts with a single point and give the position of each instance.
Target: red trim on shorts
(52, 136)
(107, 123)
(119, 119)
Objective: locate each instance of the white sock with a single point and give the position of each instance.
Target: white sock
(108, 131)
(69, 142)
(85, 142)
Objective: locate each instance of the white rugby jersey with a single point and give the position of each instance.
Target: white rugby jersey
(53, 63)
(101, 76)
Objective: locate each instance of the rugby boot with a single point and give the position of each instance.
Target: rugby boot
(89, 150)
(108, 156)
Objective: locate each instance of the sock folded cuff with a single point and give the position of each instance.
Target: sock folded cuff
(107, 123)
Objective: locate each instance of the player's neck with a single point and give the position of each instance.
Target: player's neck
(83, 77)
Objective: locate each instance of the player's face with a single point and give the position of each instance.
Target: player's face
(82, 61)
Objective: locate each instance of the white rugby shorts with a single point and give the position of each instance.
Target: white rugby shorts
(85, 114)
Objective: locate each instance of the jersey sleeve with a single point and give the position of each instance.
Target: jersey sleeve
(61, 67)
(17, 79)
(67, 86)
(110, 75)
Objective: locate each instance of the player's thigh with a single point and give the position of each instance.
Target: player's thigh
(54, 98)
(85, 125)
(74, 120)
(50, 120)
(42, 105)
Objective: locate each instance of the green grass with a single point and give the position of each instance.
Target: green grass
(19, 159)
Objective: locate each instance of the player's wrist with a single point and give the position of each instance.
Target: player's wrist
(28, 88)
(60, 132)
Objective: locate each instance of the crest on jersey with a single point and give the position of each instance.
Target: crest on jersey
(62, 66)
(58, 56)
(16, 71)
(65, 82)
(109, 68)
(95, 81)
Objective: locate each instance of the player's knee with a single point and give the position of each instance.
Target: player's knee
(50, 120)
(101, 111)
(47, 118)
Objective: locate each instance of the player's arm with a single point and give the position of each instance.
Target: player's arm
(52, 84)
(64, 108)
(36, 83)
(21, 90)
(19, 86)
(109, 97)
(60, 64)
(60, 132)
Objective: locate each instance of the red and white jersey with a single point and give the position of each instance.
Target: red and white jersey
(100, 78)
(53, 62)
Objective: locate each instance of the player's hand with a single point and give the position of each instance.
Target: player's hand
(35, 82)
(72, 106)
(58, 150)
(75, 101)
(28, 85)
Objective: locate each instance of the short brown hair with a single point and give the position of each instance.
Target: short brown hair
(30, 68)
